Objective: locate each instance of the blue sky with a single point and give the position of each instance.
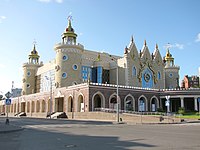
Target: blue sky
(101, 25)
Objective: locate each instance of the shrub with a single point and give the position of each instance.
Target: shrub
(160, 110)
(181, 110)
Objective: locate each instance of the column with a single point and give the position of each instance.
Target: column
(182, 102)
(195, 104)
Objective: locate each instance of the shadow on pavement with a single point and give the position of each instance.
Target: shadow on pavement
(33, 139)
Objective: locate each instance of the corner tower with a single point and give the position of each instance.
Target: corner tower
(30, 69)
(171, 72)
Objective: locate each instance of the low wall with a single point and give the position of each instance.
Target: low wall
(124, 117)
(104, 116)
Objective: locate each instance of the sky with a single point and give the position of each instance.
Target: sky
(101, 25)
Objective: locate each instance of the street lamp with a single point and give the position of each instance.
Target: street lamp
(117, 72)
(50, 103)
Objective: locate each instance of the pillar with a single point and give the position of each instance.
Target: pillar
(182, 102)
(195, 104)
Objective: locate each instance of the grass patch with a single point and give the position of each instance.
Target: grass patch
(190, 115)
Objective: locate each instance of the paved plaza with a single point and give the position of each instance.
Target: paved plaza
(46, 134)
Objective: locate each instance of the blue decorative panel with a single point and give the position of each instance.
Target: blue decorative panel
(99, 74)
(147, 79)
(86, 72)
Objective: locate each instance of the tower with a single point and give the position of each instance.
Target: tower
(171, 72)
(30, 69)
(68, 59)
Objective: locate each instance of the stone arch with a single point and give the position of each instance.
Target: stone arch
(43, 105)
(70, 103)
(113, 101)
(98, 101)
(33, 106)
(142, 103)
(154, 103)
(28, 107)
(129, 103)
(80, 104)
(37, 106)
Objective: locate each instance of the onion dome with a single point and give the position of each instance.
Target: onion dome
(34, 57)
(69, 36)
(69, 28)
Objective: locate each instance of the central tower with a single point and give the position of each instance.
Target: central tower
(68, 59)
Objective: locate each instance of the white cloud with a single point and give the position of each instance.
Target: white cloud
(2, 18)
(48, 1)
(176, 45)
(198, 38)
(179, 46)
(59, 1)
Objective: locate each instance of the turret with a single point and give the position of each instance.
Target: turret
(69, 36)
(169, 60)
(171, 72)
(30, 69)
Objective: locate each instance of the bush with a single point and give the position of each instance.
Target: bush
(181, 110)
(160, 110)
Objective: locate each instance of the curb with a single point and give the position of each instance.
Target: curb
(12, 129)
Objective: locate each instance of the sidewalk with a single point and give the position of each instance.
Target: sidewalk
(6, 128)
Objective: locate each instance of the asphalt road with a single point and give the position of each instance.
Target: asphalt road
(46, 134)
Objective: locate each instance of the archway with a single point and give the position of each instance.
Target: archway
(23, 106)
(142, 104)
(129, 103)
(113, 103)
(154, 104)
(70, 104)
(59, 102)
(43, 105)
(28, 107)
(80, 104)
(33, 106)
(38, 106)
(98, 101)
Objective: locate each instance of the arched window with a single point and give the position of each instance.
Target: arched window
(134, 71)
(159, 75)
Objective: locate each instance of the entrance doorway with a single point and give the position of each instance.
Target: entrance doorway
(59, 104)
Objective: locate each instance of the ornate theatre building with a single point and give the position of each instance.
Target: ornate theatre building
(81, 80)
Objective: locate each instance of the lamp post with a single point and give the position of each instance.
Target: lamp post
(50, 103)
(117, 73)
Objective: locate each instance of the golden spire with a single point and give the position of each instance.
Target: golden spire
(145, 43)
(156, 46)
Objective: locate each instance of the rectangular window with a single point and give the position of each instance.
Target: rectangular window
(86, 73)
(99, 74)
